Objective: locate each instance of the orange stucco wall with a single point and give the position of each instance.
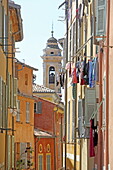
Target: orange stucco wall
(23, 88)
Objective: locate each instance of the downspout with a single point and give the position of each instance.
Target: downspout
(75, 143)
(100, 113)
(54, 132)
(61, 141)
(66, 15)
(107, 86)
(36, 142)
(6, 145)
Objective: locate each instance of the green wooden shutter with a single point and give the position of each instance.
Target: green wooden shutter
(40, 162)
(23, 154)
(39, 107)
(4, 104)
(73, 119)
(90, 104)
(9, 92)
(81, 129)
(100, 17)
(18, 111)
(48, 162)
(27, 112)
(13, 152)
(68, 121)
(15, 92)
(1, 22)
(9, 151)
(1, 102)
(12, 91)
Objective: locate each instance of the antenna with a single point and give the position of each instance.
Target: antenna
(52, 29)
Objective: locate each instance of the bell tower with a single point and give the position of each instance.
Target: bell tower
(52, 64)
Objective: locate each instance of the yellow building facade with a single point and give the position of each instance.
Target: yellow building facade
(81, 94)
(9, 26)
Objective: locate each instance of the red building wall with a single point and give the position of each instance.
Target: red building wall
(45, 120)
(50, 120)
(44, 142)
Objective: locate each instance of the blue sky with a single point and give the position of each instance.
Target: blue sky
(38, 16)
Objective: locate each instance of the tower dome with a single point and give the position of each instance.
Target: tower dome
(52, 64)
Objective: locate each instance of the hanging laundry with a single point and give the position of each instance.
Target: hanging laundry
(57, 80)
(95, 138)
(90, 73)
(67, 66)
(74, 76)
(97, 70)
(70, 70)
(82, 81)
(61, 80)
(74, 90)
(92, 152)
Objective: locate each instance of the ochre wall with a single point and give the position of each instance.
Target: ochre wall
(26, 89)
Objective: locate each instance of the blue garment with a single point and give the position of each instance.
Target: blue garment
(90, 73)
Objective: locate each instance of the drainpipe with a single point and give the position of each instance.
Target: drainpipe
(100, 113)
(61, 141)
(75, 143)
(54, 132)
(66, 52)
(6, 145)
(107, 86)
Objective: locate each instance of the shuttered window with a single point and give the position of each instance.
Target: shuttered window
(27, 112)
(38, 107)
(73, 119)
(100, 17)
(81, 129)
(9, 91)
(40, 162)
(1, 22)
(18, 111)
(48, 161)
(15, 92)
(3, 104)
(23, 154)
(90, 104)
(9, 151)
(0, 102)
(12, 152)
(69, 121)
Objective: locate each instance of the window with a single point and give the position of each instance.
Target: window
(27, 112)
(48, 161)
(18, 111)
(0, 101)
(38, 107)
(51, 75)
(23, 154)
(69, 121)
(40, 161)
(73, 119)
(100, 17)
(26, 79)
(90, 104)
(52, 52)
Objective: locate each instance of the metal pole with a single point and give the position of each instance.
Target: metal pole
(66, 50)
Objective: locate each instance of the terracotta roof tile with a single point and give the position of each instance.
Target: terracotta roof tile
(41, 89)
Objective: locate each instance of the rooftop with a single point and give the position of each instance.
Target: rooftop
(41, 89)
